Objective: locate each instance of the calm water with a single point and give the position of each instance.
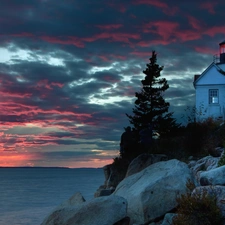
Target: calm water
(27, 195)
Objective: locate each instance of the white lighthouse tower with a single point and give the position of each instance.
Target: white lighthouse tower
(210, 89)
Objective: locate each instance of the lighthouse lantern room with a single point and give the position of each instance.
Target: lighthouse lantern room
(222, 52)
(210, 89)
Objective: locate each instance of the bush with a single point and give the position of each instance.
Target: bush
(222, 160)
(198, 209)
(196, 139)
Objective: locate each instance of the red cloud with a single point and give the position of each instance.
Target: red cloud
(158, 3)
(48, 85)
(20, 114)
(205, 50)
(212, 31)
(64, 40)
(118, 6)
(23, 34)
(196, 24)
(164, 29)
(209, 6)
(109, 26)
(110, 79)
(80, 42)
(166, 9)
(112, 57)
(166, 32)
(114, 37)
(57, 84)
(5, 93)
(43, 83)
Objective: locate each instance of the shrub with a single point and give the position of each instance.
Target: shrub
(196, 139)
(222, 160)
(198, 209)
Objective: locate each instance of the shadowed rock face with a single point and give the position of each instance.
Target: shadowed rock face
(143, 161)
(124, 221)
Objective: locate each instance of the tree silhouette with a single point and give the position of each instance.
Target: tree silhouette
(150, 105)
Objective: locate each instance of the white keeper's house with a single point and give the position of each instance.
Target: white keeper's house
(210, 89)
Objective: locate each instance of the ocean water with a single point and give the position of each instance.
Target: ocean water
(28, 195)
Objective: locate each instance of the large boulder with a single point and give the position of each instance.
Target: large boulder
(204, 164)
(143, 161)
(213, 177)
(103, 210)
(152, 192)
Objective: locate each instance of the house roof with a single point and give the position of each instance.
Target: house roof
(198, 77)
(219, 67)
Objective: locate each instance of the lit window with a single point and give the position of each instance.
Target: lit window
(213, 96)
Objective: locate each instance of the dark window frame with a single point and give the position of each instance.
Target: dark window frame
(213, 96)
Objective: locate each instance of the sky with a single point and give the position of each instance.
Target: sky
(69, 71)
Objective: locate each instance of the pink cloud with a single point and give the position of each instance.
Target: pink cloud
(109, 26)
(159, 4)
(112, 57)
(25, 113)
(167, 32)
(110, 79)
(212, 31)
(48, 85)
(57, 84)
(114, 37)
(23, 34)
(209, 6)
(205, 50)
(196, 24)
(118, 6)
(64, 40)
(165, 29)
(5, 93)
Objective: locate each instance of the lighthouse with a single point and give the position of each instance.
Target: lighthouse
(210, 89)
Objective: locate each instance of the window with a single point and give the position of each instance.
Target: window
(213, 96)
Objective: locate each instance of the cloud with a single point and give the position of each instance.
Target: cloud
(69, 71)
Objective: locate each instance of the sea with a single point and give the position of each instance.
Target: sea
(28, 195)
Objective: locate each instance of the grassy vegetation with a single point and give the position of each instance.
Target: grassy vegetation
(197, 209)
(222, 160)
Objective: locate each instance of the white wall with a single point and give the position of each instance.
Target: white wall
(203, 108)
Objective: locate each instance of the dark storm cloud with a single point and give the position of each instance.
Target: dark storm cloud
(69, 69)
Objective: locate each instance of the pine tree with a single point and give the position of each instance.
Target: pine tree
(150, 105)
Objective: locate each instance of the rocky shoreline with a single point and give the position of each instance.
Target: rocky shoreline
(144, 194)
